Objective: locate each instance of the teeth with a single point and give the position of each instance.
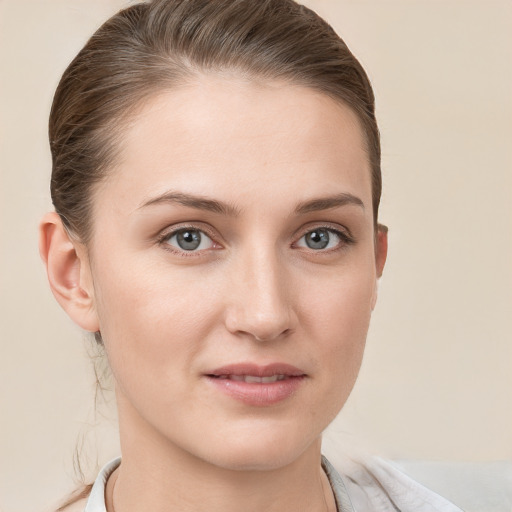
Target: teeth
(255, 379)
(266, 380)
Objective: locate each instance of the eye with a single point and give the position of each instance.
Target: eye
(189, 239)
(323, 238)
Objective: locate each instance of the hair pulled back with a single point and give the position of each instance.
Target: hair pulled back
(160, 45)
(154, 46)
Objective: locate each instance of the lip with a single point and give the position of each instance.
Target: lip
(259, 394)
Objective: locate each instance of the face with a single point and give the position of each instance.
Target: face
(233, 268)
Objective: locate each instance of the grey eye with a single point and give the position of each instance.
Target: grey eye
(190, 240)
(317, 239)
(320, 238)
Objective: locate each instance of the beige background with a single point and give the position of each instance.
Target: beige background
(437, 381)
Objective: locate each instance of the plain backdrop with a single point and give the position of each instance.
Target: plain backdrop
(436, 382)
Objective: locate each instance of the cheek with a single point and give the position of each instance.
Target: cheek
(340, 305)
(338, 318)
(152, 321)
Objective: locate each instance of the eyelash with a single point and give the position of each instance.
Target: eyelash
(165, 236)
(346, 239)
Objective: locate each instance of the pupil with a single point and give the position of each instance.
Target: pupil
(317, 239)
(189, 240)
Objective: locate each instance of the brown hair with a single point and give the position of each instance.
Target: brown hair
(159, 45)
(154, 46)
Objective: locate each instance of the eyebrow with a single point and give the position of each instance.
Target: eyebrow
(326, 203)
(212, 205)
(198, 202)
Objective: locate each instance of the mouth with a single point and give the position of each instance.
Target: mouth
(252, 379)
(254, 373)
(257, 385)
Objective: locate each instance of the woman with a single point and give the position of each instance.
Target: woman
(216, 181)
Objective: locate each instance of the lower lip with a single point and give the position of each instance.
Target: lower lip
(258, 394)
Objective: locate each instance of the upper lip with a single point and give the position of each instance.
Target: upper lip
(256, 370)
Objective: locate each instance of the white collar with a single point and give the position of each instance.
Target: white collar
(96, 501)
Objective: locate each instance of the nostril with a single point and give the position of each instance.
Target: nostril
(272, 336)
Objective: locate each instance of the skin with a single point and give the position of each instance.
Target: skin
(254, 291)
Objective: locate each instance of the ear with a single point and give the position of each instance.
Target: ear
(381, 253)
(69, 273)
(381, 248)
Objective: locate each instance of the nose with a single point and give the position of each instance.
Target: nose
(260, 302)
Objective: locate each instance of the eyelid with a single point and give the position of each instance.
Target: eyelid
(331, 226)
(346, 237)
(173, 230)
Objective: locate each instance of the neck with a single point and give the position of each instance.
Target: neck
(158, 476)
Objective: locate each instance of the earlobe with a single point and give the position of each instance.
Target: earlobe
(381, 253)
(68, 272)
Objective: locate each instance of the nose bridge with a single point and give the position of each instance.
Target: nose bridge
(260, 304)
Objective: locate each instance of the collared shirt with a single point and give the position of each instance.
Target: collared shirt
(370, 486)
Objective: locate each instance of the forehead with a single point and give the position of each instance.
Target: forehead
(226, 135)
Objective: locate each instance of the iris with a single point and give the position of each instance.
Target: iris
(317, 239)
(189, 239)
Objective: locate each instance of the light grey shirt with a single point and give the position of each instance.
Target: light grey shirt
(370, 486)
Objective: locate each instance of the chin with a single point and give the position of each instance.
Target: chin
(258, 460)
(260, 451)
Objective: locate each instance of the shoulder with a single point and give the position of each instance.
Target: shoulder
(77, 506)
(76, 501)
(91, 496)
(376, 484)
